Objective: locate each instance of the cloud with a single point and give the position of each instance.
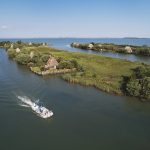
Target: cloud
(4, 27)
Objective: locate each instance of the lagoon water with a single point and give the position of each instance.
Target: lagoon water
(84, 118)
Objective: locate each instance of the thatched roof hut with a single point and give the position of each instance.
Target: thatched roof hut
(75, 44)
(31, 54)
(128, 49)
(18, 50)
(51, 63)
(30, 43)
(90, 46)
(12, 45)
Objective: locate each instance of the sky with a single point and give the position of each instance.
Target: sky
(74, 18)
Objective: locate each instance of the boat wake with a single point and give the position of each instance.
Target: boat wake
(39, 110)
(23, 105)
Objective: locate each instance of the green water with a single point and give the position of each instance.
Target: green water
(84, 118)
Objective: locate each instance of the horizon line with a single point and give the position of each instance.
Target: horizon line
(74, 37)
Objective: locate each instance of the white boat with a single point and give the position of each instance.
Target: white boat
(40, 110)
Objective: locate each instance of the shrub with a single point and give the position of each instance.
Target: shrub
(30, 64)
(121, 50)
(146, 51)
(134, 87)
(59, 59)
(107, 47)
(146, 87)
(83, 46)
(69, 65)
(45, 58)
(42, 68)
(36, 69)
(40, 63)
(138, 84)
(76, 65)
(141, 71)
(11, 53)
(65, 65)
(94, 75)
(5, 44)
(19, 42)
(35, 58)
(23, 58)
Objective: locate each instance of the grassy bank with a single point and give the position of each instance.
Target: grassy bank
(101, 72)
(127, 49)
(107, 74)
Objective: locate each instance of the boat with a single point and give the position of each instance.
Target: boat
(41, 111)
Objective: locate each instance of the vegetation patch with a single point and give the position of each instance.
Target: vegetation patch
(127, 49)
(40, 60)
(138, 83)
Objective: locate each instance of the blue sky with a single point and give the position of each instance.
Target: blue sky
(74, 18)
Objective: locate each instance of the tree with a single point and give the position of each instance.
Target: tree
(11, 53)
(74, 63)
(146, 87)
(59, 59)
(23, 58)
(138, 84)
(133, 88)
(142, 71)
(35, 58)
(19, 42)
(65, 65)
(45, 58)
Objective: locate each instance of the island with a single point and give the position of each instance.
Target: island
(111, 75)
(110, 47)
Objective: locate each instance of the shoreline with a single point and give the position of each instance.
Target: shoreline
(52, 72)
(115, 48)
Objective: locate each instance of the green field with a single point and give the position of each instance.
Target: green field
(101, 72)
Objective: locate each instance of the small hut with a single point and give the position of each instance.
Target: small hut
(51, 63)
(12, 45)
(31, 54)
(90, 46)
(75, 44)
(128, 49)
(44, 44)
(17, 50)
(30, 43)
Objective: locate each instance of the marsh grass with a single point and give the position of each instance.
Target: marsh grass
(101, 72)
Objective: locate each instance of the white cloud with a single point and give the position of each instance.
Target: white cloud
(4, 27)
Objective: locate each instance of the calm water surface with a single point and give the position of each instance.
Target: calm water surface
(84, 118)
